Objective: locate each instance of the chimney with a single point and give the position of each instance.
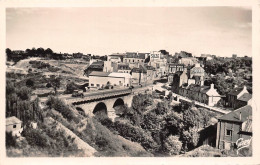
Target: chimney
(244, 88)
(212, 86)
(240, 116)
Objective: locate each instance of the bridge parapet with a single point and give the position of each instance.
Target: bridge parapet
(100, 95)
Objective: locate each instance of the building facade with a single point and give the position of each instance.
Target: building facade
(233, 126)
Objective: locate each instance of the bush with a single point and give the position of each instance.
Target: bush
(29, 83)
(70, 88)
(173, 145)
(136, 134)
(24, 93)
(59, 106)
(36, 137)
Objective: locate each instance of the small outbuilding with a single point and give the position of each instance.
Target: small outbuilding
(14, 125)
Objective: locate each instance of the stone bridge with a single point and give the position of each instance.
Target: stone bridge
(102, 100)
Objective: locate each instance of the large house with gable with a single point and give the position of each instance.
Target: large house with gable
(238, 97)
(233, 126)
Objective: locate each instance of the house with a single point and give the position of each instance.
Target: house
(179, 78)
(233, 126)
(98, 79)
(204, 94)
(134, 59)
(197, 70)
(151, 72)
(245, 99)
(233, 95)
(120, 79)
(123, 68)
(188, 61)
(174, 67)
(94, 66)
(116, 58)
(77, 55)
(139, 75)
(109, 66)
(101, 79)
(158, 61)
(13, 125)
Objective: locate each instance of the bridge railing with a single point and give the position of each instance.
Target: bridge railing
(101, 94)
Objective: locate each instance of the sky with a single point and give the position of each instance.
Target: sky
(222, 31)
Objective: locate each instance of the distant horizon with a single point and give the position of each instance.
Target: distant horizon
(220, 31)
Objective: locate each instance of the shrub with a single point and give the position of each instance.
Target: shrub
(29, 83)
(36, 137)
(173, 145)
(24, 93)
(59, 106)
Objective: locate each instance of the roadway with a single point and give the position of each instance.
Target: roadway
(216, 109)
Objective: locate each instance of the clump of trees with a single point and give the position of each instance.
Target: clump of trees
(19, 103)
(162, 130)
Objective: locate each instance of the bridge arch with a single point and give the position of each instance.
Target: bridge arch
(118, 102)
(100, 110)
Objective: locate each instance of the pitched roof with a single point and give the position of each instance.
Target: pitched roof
(245, 97)
(100, 74)
(246, 112)
(12, 120)
(98, 64)
(235, 91)
(135, 55)
(140, 69)
(198, 88)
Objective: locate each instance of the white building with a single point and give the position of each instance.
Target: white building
(101, 79)
(14, 125)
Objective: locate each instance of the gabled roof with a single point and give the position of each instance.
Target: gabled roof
(100, 74)
(12, 120)
(235, 91)
(246, 112)
(141, 69)
(245, 97)
(135, 55)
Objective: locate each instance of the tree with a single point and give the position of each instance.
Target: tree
(40, 52)
(29, 83)
(8, 51)
(24, 93)
(71, 87)
(173, 145)
(55, 83)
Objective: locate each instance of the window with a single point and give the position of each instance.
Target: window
(14, 126)
(92, 85)
(228, 132)
(98, 85)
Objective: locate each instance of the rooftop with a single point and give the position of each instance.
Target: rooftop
(236, 91)
(117, 74)
(100, 74)
(12, 120)
(245, 111)
(245, 97)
